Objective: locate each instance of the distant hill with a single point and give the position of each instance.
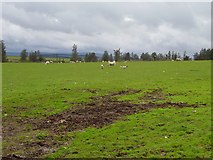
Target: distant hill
(13, 53)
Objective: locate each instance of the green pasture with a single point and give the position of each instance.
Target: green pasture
(36, 90)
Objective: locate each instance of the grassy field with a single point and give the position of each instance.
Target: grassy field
(177, 125)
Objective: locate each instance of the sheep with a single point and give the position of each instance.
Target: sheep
(102, 66)
(51, 61)
(111, 63)
(47, 62)
(178, 59)
(124, 67)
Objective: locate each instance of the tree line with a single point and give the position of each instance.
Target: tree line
(33, 56)
(117, 55)
(204, 54)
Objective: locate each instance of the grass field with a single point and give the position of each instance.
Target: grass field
(166, 110)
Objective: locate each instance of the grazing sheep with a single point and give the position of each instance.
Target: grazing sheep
(124, 67)
(102, 66)
(111, 63)
(51, 61)
(47, 62)
(178, 59)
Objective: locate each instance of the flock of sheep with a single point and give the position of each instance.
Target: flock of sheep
(110, 63)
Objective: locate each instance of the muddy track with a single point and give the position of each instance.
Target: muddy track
(102, 111)
(99, 112)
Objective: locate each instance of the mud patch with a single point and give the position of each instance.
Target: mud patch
(102, 111)
(99, 112)
(153, 96)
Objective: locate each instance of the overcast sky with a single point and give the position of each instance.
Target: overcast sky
(133, 27)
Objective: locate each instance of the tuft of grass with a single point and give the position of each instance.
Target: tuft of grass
(42, 135)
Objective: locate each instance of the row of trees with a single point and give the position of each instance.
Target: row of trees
(32, 56)
(24, 55)
(119, 56)
(89, 57)
(204, 54)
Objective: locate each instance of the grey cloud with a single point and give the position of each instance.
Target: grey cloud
(104, 26)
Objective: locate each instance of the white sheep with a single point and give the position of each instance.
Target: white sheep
(111, 63)
(124, 67)
(178, 59)
(102, 66)
(47, 62)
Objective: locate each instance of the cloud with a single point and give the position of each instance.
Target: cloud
(128, 19)
(137, 27)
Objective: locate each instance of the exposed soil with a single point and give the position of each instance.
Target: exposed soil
(101, 111)
(153, 96)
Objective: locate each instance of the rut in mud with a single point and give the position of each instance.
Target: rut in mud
(103, 110)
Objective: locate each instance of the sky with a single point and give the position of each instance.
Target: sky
(95, 27)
